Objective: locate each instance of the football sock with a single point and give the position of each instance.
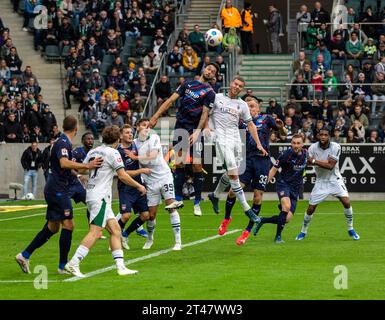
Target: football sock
(80, 253)
(121, 224)
(250, 226)
(118, 257)
(175, 223)
(179, 179)
(222, 185)
(281, 223)
(132, 227)
(64, 246)
(273, 220)
(88, 215)
(257, 208)
(237, 189)
(349, 217)
(41, 238)
(229, 206)
(198, 183)
(306, 221)
(151, 229)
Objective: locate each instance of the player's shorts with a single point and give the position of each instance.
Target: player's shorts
(59, 206)
(229, 153)
(131, 199)
(256, 172)
(181, 143)
(100, 212)
(284, 190)
(158, 189)
(77, 192)
(322, 189)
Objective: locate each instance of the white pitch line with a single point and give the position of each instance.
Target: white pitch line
(28, 281)
(149, 256)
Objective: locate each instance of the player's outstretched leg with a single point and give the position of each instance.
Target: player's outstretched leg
(221, 186)
(246, 233)
(198, 183)
(41, 238)
(230, 201)
(141, 232)
(281, 221)
(179, 179)
(306, 221)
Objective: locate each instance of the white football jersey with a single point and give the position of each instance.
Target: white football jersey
(225, 116)
(332, 152)
(100, 180)
(159, 167)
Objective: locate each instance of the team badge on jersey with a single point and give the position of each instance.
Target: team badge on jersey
(64, 152)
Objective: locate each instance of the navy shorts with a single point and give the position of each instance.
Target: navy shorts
(77, 192)
(284, 190)
(132, 200)
(59, 206)
(256, 172)
(182, 143)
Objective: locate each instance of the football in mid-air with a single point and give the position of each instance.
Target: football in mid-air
(213, 37)
(29, 196)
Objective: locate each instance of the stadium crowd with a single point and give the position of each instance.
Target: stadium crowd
(338, 78)
(24, 116)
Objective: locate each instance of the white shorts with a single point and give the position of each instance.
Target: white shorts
(323, 189)
(229, 153)
(156, 189)
(100, 212)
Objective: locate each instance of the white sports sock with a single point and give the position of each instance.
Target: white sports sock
(306, 221)
(237, 189)
(80, 254)
(118, 257)
(151, 229)
(140, 228)
(349, 217)
(223, 183)
(175, 223)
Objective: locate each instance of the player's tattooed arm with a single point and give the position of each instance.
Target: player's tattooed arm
(325, 164)
(202, 123)
(162, 109)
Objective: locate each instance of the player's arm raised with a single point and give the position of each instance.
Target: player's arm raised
(254, 133)
(127, 179)
(202, 124)
(281, 127)
(163, 108)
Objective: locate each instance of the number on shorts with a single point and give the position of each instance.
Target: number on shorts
(93, 172)
(262, 179)
(168, 187)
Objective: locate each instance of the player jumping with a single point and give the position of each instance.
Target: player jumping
(58, 197)
(324, 155)
(195, 95)
(289, 182)
(257, 165)
(227, 110)
(129, 197)
(99, 198)
(159, 182)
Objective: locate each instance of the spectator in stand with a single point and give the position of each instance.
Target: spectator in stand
(338, 48)
(378, 91)
(197, 41)
(190, 60)
(114, 119)
(311, 36)
(231, 41)
(330, 82)
(142, 88)
(48, 120)
(361, 88)
(230, 17)
(303, 18)
(275, 109)
(75, 88)
(368, 71)
(5, 73)
(352, 17)
(184, 35)
(299, 89)
(247, 29)
(307, 72)
(162, 90)
(358, 131)
(320, 65)
(14, 62)
(29, 12)
(11, 129)
(360, 34)
(174, 62)
(115, 80)
(322, 50)
(337, 137)
(113, 43)
(319, 14)
(151, 62)
(300, 62)
(37, 135)
(31, 160)
(346, 91)
(370, 49)
(316, 83)
(137, 106)
(112, 94)
(373, 137)
(323, 34)
(354, 48)
(122, 105)
(275, 26)
(360, 116)
(380, 66)
(291, 130)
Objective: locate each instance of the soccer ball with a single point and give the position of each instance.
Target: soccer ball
(213, 37)
(29, 196)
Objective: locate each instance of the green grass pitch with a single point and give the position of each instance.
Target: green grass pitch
(215, 269)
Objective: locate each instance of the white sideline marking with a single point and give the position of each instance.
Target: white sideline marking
(27, 281)
(149, 256)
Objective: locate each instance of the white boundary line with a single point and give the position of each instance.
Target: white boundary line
(149, 256)
(29, 281)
